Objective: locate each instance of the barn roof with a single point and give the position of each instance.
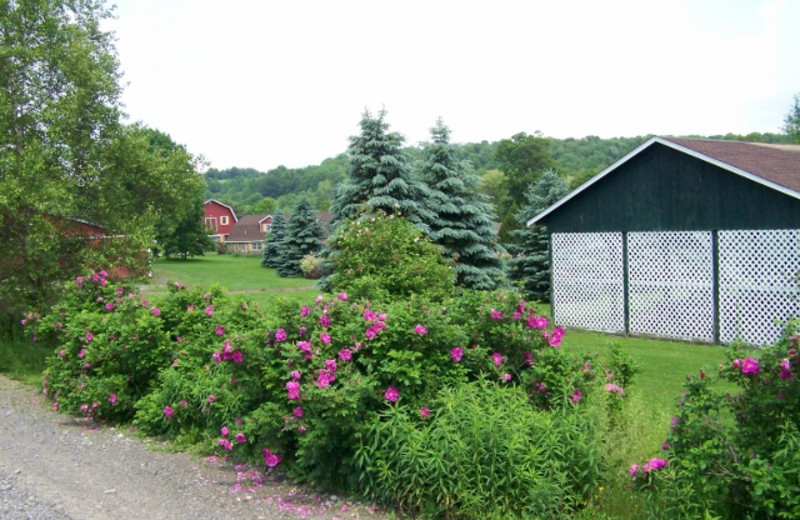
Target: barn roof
(247, 229)
(776, 166)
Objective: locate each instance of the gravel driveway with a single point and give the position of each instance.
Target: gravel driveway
(53, 466)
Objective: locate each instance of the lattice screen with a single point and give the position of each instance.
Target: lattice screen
(671, 283)
(758, 283)
(588, 289)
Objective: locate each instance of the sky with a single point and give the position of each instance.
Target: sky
(263, 83)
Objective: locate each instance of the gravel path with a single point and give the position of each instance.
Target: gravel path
(53, 467)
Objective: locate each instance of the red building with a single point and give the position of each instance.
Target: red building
(219, 219)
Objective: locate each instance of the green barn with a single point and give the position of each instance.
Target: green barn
(692, 239)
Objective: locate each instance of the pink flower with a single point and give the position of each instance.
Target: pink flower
(183, 403)
(537, 322)
(325, 338)
(419, 329)
(298, 412)
(280, 335)
(737, 363)
(190, 308)
(55, 406)
(237, 356)
(456, 354)
(498, 359)
(304, 345)
(750, 367)
(611, 387)
(225, 443)
(634, 470)
(423, 411)
(89, 336)
(224, 431)
(325, 321)
(305, 311)
(345, 354)
(318, 299)
(168, 412)
(216, 357)
(293, 389)
(371, 333)
(220, 330)
(507, 377)
(62, 352)
(271, 459)
(82, 354)
(109, 306)
(576, 396)
(240, 438)
(369, 316)
(58, 325)
(211, 398)
(324, 379)
(112, 398)
(295, 375)
(653, 464)
(155, 311)
(391, 394)
(785, 369)
(210, 310)
(342, 296)
(496, 315)
(301, 331)
(528, 358)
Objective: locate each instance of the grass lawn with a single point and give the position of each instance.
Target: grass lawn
(238, 274)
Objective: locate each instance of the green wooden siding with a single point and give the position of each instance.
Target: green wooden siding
(661, 189)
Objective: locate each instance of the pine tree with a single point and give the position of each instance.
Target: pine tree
(463, 222)
(381, 178)
(303, 237)
(531, 262)
(273, 245)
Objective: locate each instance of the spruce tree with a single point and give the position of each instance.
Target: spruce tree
(463, 219)
(273, 245)
(380, 176)
(531, 262)
(303, 237)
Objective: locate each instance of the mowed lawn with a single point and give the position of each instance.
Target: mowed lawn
(238, 274)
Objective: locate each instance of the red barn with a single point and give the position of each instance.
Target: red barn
(219, 219)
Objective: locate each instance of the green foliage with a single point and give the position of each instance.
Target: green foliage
(273, 245)
(379, 256)
(380, 177)
(482, 453)
(303, 237)
(522, 158)
(733, 448)
(311, 265)
(530, 265)
(464, 220)
(792, 121)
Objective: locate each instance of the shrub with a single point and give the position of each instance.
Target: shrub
(480, 451)
(311, 266)
(733, 449)
(379, 256)
(109, 347)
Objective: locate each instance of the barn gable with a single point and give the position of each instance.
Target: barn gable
(682, 238)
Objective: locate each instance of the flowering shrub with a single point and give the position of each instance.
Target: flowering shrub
(734, 450)
(109, 345)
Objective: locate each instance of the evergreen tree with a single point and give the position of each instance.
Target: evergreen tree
(273, 245)
(531, 262)
(380, 176)
(303, 237)
(463, 222)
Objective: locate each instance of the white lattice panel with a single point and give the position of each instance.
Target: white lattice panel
(758, 283)
(588, 288)
(670, 284)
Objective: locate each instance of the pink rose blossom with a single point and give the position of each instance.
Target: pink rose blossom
(225, 443)
(220, 330)
(423, 411)
(112, 398)
(496, 315)
(240, 438)
(237, 356)
(456, 354)
(305, 311)
(345, 354)
(750, 367)
(224, 431)
(576, 396)
(342, 296)
(304, 345)
(295, 375)
(211, 398)
(537, 322)
(613, 388)
(419, 329)
(168, 412)
(280, 335)
(271, 459)
(109, 306)
(89, 336)
(325, 321)
(298, 412)
(210, 310)
(155, 311)
(325, 338)
(786, 372)
(497, 358)
(293, 389)
(391, 394)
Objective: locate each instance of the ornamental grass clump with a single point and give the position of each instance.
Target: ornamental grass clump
(734, 449)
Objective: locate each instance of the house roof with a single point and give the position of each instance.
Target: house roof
(776, 166)
(248, 229)
(224, 206)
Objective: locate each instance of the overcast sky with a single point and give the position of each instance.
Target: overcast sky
(260, 83)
